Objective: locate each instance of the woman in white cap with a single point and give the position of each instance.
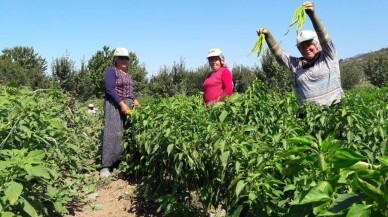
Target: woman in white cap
(317, 72)
(219, 82)
(119, 97)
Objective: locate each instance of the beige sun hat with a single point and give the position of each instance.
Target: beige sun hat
(215, 52)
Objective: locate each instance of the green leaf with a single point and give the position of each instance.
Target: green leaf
(348, 154)
(51, 191)
(250, 128)
(306, 140)
(237, 212)
(5, 164)
(345, 157)
(13, 191)
(289, 187)
(224, 158)
(383, 160)
(370, 190)
(344, 201)
(35, 157)
(237, 166)
(59, 207)
(359, 210)
(296, 149)
(313, 196)
(223, 116)
(240, 186)
(169, 149)
(38, 170)
(324, 187)
(235, 180)
(252, 196)
(30, 210)
(7, 214)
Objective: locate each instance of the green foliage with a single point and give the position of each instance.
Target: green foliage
(194, 80)
(23, 66)
(84, 87)
(47, 143)
(251, 155)
(243, 77)
(259, 46)
(177, 80)
(351, 76)
(373, 65)
(138, 74)
(12, 72)
(376, 70)
(274, 74)
(298, 19)
(63, 71)
(97, 65)
(26, 58)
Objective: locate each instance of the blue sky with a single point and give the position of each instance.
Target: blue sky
(165, 31)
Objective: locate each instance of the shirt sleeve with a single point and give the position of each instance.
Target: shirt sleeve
(110, 81)
(292, 63)
(227, 82)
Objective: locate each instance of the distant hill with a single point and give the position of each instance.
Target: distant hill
(360, 59)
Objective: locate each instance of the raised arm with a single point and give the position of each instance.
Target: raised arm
(317, 23)
(271, 42)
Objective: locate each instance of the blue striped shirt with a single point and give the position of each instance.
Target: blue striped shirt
(319, 83)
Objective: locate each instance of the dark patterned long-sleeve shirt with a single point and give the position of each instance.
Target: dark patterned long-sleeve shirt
(118, 85)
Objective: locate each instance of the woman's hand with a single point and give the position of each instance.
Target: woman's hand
(136, 103)
(261, 31)
(308, 7)
(123, 108)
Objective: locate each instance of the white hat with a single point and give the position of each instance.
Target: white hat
(121, 52)
(90, 105)
(306, 35)
(215, 52)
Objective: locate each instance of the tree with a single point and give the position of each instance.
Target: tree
(29, 62)
(194, 79)
(159, 84)
(170, 80)
(97, 66)
(351, 76)
(376, 70)
(84, 85)
(243, 77)
(12, 72)
(138, 74)
(274, 74)
(63, 72)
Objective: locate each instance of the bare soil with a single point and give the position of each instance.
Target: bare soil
(118, 197)
(112, 198)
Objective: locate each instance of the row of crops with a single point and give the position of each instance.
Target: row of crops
(249, 155)
(47, 145)
(253, 157)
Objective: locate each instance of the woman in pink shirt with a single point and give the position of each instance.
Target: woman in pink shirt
(218, 83)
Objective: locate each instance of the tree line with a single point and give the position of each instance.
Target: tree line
(22, 66)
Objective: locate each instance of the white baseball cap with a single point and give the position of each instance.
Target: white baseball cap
(90, 105)
(306, 35)
(121, 52)
(215, 52)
